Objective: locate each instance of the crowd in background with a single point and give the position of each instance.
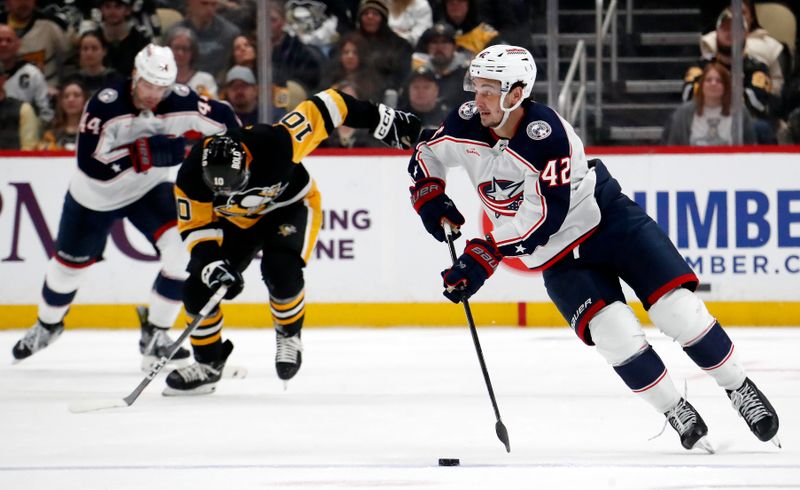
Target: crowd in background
(410, 54)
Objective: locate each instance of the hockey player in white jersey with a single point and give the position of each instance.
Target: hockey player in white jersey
(130, 133)
(565, 215)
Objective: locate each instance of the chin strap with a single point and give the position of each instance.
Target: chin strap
(506, 111)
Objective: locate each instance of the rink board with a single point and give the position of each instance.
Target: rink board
(734, 215)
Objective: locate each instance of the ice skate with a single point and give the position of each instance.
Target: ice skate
(199, 378)
(36, 338)
(155, 343)
(288, 355)
(756, 410)
(689, 426)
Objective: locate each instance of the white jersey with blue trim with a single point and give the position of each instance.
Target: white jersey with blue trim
(537, 188)
(105, 179)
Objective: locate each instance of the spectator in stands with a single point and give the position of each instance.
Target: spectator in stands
(62, 133)
(346, 65)
(214, 34)
(92, 72)
(244, 52)
(762, 104)
(291, 59)
(706, 120)
(758, 44)
(410, 18)
(790, 135)
(345, 136)
(24, 80)
(241, 13)
(387, 53)
(19, 126)
(183, 44)
(471, 34)
(422, 98)
(123, 39)
(315, 22)
(449, 65)
(241, 91)
(43, 41)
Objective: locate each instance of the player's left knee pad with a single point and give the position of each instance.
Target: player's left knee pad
(617, 333)
(283, 274)
(682, 315)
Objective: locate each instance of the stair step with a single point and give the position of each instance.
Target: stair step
(627, 133)
(669, 38)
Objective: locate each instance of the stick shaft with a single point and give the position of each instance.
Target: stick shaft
(158, 366)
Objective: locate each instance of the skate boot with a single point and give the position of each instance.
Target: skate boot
(689, 426)
(756, 410)
(199, 378)
(288, 355)
(155, 343)
(36, 338)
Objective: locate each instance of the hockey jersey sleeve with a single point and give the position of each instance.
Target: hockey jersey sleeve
(197, 222)
(427, 160)
(314, 119)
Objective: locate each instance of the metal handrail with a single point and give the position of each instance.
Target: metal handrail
(602, 27)
(567, 106)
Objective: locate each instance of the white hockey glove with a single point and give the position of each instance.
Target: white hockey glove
(221, 273)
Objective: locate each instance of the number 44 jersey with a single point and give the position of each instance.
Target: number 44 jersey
(537, 188)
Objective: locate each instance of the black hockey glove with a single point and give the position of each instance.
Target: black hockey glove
(434, 207)
(157, 151)
(477, 263)
(397, 129)
(221, 273)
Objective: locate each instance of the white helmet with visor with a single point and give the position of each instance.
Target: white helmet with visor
(156, 64)
(507, 64)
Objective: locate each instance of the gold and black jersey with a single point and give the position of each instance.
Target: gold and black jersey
(273, 156)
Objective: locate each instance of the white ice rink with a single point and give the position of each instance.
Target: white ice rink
(376, 408)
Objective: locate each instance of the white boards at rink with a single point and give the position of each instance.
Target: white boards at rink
(733, 213)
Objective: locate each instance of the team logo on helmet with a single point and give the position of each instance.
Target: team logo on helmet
(467, 110)
(538, 130)
(107, 95)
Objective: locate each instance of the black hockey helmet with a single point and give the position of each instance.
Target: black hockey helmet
(224, 164)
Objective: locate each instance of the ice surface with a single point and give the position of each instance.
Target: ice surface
(377, 408)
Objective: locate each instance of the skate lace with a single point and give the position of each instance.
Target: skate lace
(748, 403)
(681, 418)
(159, 342)
(197, 372)
(287, 349)
(34, 337)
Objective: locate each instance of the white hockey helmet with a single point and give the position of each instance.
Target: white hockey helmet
(507, 64)
(156, 64)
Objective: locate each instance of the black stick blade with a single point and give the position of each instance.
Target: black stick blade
(502, 434)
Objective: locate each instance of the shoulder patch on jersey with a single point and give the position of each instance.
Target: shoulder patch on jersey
(107, 95)
(181, 89)
(538, 130)
(467, 110)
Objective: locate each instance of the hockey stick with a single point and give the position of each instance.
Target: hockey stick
(499, 427)
(100, 404)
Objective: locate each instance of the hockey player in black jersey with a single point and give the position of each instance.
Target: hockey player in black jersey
(565, 215)
(247, 191)
(129, 134)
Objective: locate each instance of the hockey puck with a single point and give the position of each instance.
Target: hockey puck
(449, 462)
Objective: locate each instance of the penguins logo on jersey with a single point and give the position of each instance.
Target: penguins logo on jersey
(538, 130)
(467, 110)
(252, 201)
(287, 229)
(503, 197)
